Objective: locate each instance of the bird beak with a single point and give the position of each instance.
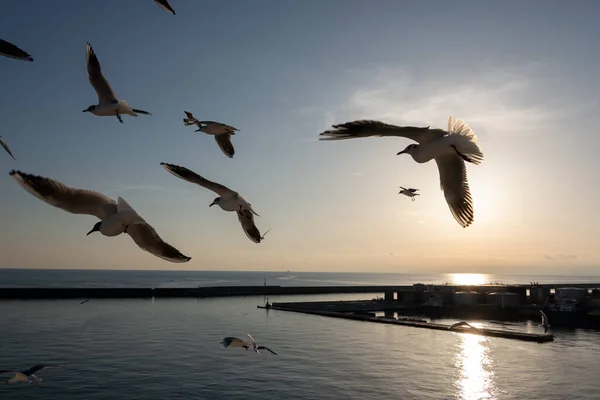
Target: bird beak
(89, 232)
(85, 110)
(212, 204)
(402, 152)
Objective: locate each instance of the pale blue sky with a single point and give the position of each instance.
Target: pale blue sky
(523, 74)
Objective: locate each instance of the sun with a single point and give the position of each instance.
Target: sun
(468, 279)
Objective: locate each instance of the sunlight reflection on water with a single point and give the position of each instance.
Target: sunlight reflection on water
(475, 381)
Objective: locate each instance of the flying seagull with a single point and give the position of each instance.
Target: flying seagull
(228, 200)
(10, 50)
(27, 375)
(545, 324)
(115, 217)
(466, 324)
(450, 149)
(3, 143)
(108, 104)
(409, 192)
(255, 347)
(221, 132)
(85, 301)
(165, 4)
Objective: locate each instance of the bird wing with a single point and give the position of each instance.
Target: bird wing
(367, 128)
(165, 5)
(145, 236)
(266, 348)
(253, 341)
(190, 120)
(98, 81)
(35, 369)
(3, 143)
(75, 201)
(224, 142)
(413, 190)
(10, 50)
(247, 221)
(234, 342)
(453, 181)
(544, 317)
(190, 176)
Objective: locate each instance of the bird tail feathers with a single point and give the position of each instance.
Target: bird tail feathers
(465, 140)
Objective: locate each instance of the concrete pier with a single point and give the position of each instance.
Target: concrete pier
(528, 337)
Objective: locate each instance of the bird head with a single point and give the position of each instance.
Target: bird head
(90, 108)
(215, 201)
(409, 149)
(96, 228)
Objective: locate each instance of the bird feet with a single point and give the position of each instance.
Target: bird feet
(119, 118)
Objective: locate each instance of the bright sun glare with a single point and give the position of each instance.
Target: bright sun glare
(468, 279)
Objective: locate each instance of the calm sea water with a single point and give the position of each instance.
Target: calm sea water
(169, 349)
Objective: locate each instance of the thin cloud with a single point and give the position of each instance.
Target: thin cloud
(505, 99)
(561, 257)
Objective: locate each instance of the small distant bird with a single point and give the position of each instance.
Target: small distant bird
(85, 301)
(108, 104)
(3, 143)
(409, 192)
(228, 200)
(8, 49)
(165, 5)
(255, 347)
(116, 217)
(221, 132)
(545, 324)
(450, 149)
(27, 375)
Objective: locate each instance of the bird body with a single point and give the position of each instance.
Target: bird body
(450, 149)
(108, 103)
(228, 200)
(410, 192)
(115, 217)
(221, 132)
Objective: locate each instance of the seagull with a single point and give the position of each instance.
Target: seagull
(466, 324)
(165, 4)
(228, 200)
(221, 132)
(108, 104)
(409, 192)
(450, 149)
(545, 324)
(3, 143)
(10, 50)
(115, 217)
(85, 301)
(255, 347)
(27, 375)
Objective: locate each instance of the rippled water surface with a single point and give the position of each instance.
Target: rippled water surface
(169, 349)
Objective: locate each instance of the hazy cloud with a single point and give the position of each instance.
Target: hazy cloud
(562, 257)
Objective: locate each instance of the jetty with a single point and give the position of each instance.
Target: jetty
(368, 317)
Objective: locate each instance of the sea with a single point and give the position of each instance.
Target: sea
(126, 349)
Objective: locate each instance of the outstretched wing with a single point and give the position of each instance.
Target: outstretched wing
(266, 348)
(234, 342)
(165, 5)
(10, 50)
(145, 236)
(247, 221)
(3, 143)
(224, 142)
(368, 128)
(98, 81)
(76, 201)
(454, 183)
(191, 176)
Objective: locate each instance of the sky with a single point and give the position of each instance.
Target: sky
(523, 75)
